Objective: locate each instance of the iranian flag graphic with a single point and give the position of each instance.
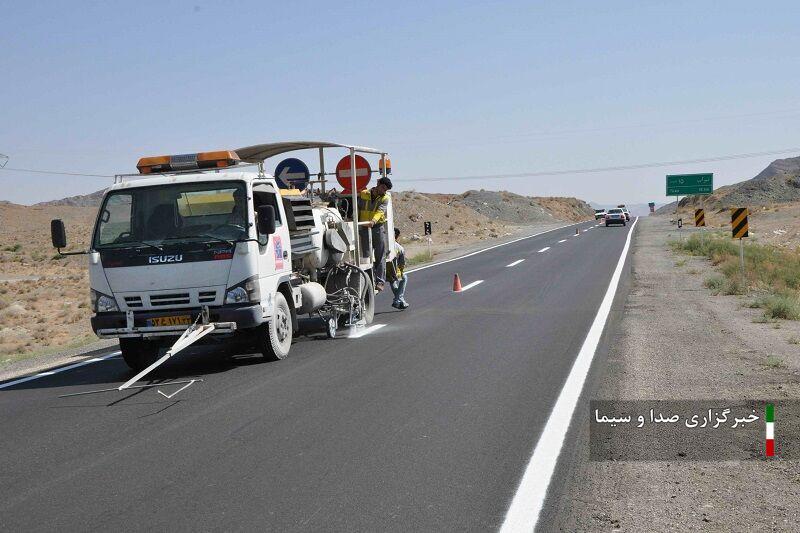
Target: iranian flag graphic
(769, 418)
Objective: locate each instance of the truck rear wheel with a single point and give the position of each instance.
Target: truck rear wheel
(275, 337)
(368, 301)
(138, 354)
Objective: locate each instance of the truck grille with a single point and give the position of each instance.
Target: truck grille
(133, 301)
(178, 298)
(205, 297)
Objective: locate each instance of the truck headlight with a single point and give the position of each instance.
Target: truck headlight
(236, 295)
(102, 303)
(247, 291)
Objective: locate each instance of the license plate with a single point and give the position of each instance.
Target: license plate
(170, 321)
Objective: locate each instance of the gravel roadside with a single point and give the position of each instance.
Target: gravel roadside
(677, 342)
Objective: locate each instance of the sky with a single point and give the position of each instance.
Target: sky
(449, 89)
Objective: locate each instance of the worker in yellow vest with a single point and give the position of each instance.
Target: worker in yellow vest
(372, 206)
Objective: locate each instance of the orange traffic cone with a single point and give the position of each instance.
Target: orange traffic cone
(456, 283)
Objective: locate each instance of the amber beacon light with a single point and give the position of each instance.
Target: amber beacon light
(171, 163)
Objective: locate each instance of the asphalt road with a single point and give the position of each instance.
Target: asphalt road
(424, 424)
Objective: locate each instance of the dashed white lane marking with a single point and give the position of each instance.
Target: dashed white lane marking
(58, 370)
(423, 267)
(515, 263)
(366, 331)
(523, 514)
(544, 249)
(563, 240)
(469, 286)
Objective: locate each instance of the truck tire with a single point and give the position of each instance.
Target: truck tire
(275, 337)
(138, 354)
(368, 301)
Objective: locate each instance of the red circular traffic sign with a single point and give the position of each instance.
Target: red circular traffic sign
(363, 173)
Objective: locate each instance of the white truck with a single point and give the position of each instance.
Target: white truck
(210, 244)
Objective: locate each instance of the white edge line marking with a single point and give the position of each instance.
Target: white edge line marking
(563, 240)
(544, 249)
(515, 263)
(365, 331)
(58, 370)
(423, 267)
(523, 513)
(473, 284)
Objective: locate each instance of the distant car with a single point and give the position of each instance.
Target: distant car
(615, 216)
(599, 214)
(627, 214)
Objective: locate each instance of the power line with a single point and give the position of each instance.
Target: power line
(60, 173)
(608, 169)
(510, 176)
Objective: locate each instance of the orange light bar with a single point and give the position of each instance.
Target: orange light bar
(388, 165)
(167, 163)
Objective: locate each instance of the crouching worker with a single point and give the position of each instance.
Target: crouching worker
(395, 275)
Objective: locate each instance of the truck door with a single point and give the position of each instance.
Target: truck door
(274, 258)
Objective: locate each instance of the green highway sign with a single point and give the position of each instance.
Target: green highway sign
(686, 184)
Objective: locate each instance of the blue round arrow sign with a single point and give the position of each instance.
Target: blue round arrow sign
(292, 174)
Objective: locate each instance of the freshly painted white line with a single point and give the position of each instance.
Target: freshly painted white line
(366, 331)
(485, 249)
(563, 240)
(58, 370)
(523, 513)
(473, 284)
(544, 249)
(515, 263)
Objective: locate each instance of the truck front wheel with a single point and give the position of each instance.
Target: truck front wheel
(138, 354)
(275, 337)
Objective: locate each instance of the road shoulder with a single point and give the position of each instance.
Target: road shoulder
(674, 341)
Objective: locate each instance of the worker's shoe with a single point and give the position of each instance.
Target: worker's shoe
(400, 305)
(379, 286)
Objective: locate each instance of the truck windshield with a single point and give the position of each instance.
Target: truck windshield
(171, 214)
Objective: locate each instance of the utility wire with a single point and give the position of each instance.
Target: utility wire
(60, 173)
(511, 176)
(608, 169)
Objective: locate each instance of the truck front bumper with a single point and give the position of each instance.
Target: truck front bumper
(227, 319)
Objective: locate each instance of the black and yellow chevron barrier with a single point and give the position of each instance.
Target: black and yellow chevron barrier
(699, 217)
(739, 223)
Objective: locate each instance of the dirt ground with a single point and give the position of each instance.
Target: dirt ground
(677, 342)
(44, 299)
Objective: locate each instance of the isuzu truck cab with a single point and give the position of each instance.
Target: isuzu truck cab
(212, 239)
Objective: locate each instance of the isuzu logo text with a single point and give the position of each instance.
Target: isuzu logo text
(157, 259)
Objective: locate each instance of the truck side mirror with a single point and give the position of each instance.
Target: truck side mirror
(266, 219)
(58, 234)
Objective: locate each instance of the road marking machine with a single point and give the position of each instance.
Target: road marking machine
(209, 248)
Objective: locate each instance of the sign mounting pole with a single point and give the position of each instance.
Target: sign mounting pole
(354, 200)
(322, 171)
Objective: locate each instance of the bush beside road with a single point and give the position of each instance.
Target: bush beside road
(771, 274)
